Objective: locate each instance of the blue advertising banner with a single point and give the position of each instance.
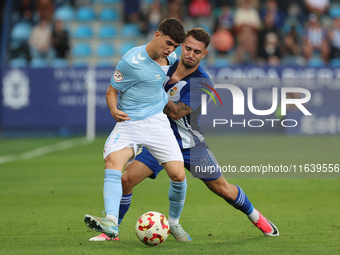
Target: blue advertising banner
(57, 98)
(52, 98)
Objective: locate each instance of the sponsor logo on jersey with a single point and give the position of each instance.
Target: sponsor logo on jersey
(118, 76)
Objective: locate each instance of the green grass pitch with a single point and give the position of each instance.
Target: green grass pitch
(43, 201)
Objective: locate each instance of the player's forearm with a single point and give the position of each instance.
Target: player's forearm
(111, 99)
(176, 110)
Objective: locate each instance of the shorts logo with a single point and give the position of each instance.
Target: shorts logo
(205, 161)
(118, 76)
(139, 150)
(173, 91)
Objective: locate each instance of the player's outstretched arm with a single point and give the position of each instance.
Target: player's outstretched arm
(176, 110)
(111, 100)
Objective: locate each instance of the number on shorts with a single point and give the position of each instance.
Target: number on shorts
(118, 135)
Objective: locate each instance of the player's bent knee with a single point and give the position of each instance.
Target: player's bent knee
(127, 184)
(117, 160)
(178, 177)
(109, 165)
(112, 163)
(175, 170)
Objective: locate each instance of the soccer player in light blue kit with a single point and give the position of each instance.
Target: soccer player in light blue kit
(140, 121)
(184, 84)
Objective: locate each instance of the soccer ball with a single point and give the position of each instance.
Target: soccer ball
(152, 228)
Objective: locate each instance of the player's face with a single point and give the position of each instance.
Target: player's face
(166, 45)
(192, 52)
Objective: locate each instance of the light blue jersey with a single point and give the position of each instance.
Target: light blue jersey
(140, 81)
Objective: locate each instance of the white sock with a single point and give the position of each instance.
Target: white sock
(113, 218)
(173, 221)
(254, 216)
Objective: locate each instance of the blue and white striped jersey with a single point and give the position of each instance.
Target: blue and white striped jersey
(188, 130)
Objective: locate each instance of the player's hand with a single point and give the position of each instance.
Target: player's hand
(119, 115)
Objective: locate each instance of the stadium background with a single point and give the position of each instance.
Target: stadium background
(45, 93)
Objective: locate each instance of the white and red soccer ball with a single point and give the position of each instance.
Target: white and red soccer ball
(152, 228)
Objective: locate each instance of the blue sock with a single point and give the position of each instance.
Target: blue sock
(177, 192)
(242, 202)
(112, 191)
(124, 206)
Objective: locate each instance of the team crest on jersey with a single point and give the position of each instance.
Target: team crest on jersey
(118, 76)
(173, 92)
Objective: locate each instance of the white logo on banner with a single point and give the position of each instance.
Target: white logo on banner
(16, 90)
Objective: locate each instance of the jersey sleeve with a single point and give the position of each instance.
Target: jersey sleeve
(192, 93)
(124, 76)
(172, 58)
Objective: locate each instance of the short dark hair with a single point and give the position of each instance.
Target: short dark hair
(200, 35)
(173, 28)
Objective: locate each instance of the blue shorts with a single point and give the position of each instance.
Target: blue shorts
(199, 160)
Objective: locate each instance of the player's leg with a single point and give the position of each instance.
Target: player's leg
(177, 193)
(175, 170)
(120, 148)
(114, 164)
(151, 168)
(134, 173)
(162, 144)
(177, 190)
(202, 164)
(144, 165)
(236, 197)
(222, 188)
